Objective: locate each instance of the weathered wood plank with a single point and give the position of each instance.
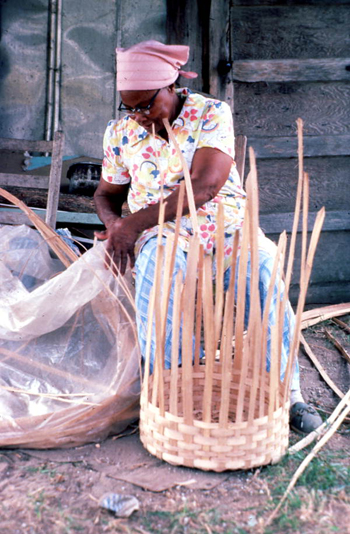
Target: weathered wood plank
(323, 293)
(330, 274)
(240, 154)
(332, 258)
(267, 109)
(329, 184)
(15, 216)
(183, 26)
(21, 144)
(314, 146)
(55, 179)
(220, 78)
(280, 32)
(290, 70)
(292, 3)
(37, 198)
(25, 180)
(277, 222)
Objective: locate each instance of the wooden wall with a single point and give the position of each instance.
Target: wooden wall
(275, 61)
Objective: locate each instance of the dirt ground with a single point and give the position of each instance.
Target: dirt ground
(58, 491)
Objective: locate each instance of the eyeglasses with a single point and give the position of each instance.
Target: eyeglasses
(139, 109)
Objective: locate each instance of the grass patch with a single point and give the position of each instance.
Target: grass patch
(325, 478)
(186, 521)
(327, 472)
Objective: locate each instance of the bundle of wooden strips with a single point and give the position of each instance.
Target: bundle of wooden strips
(223, 411)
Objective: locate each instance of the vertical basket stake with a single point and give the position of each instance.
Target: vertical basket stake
(241, 345)
(209, 337)
(199, 309)
(173, 402)
(254, 325)
(219, 287)
(278, 264)
(188, 306)
(226, 342)
(158, 384)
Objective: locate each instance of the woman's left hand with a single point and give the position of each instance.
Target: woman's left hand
(121, 237)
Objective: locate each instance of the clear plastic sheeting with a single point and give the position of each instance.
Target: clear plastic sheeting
(69, 358)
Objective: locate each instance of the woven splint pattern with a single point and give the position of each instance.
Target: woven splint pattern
(209, 446)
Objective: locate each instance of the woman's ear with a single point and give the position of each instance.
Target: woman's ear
(171, 88)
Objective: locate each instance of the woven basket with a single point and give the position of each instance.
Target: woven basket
(225, 411)
(211, 446)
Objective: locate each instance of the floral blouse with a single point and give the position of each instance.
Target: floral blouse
(132, 155)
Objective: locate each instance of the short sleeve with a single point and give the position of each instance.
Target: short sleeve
(113, 169)
(217, 128)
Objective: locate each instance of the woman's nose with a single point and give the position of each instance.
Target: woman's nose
(139, 117)
(136, 116)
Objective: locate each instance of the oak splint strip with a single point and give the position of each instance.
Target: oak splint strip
(241, 346)
(188, 305)
(308, 459)
(199, 308)
(241, 294)
(318, 315)
(60, 248)
(175, 344)
(209, 338)
(254, 324)
(338, 345)
(226, 343)
(61, 397)
(49, 370)
(278, 262)
(145, 382)
(219, 288)
(319, 367)
(302, 296)
(342, 325)
(188, 182)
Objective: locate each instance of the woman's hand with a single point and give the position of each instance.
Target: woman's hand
(121, 237)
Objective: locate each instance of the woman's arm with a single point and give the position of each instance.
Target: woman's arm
(109, 199)
(209, 172)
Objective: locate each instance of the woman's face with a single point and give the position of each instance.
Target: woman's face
(163, 106)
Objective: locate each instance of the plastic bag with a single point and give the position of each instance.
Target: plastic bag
(69, 357)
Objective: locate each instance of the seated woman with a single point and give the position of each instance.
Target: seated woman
(133, 164)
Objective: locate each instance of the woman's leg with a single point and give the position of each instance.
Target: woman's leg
(145, 271)
(266, 261)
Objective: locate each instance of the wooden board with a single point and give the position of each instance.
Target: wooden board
(314, 145)
(290, 31)
(15, 216)
(290, 70)
(271, 109)
(183, 28)
(323, 293)
(329, 184)
(330, 276)
(252, 3)
(335, 221)
(327, 268)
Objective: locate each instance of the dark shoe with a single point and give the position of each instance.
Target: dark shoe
(303, 418)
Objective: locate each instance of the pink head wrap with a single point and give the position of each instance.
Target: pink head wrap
(150, 65)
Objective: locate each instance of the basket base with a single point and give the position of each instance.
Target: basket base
(212, 446)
